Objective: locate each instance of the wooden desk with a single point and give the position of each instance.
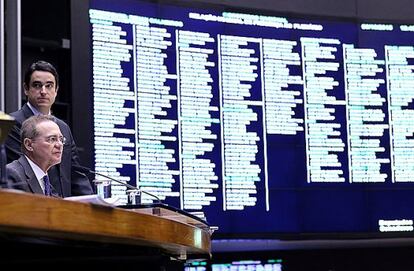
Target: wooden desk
(30, 215)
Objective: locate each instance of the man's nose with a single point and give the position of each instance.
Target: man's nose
(59, 144)
(43, 89)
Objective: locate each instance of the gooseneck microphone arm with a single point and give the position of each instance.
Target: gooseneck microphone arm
(115, 180)
(89, 171)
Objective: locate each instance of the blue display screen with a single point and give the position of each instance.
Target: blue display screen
(263, 124)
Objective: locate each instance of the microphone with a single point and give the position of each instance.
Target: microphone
(89, 171)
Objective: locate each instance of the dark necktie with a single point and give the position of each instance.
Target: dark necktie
(47, 186)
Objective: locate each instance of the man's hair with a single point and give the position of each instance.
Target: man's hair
(29, 130)
(40, 66)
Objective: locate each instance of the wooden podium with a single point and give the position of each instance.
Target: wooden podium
(37, 229)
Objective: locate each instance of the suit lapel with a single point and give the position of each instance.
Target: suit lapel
(30, 176)
(27, 112)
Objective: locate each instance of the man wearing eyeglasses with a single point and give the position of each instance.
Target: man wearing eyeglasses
(41, 84)
(42, 147)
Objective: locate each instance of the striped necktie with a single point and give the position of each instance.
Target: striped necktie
(48, 191)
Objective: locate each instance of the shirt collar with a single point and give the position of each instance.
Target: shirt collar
(36, 169)
(34, 110)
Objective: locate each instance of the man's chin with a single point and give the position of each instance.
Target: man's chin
(43, 105)
(57, 161)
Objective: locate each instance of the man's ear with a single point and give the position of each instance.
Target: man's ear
(26, 88)
(28, 144)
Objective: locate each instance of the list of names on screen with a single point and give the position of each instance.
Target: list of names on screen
(219, 112)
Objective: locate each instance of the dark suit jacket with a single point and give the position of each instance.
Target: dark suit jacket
(63, 178)
(20, 176)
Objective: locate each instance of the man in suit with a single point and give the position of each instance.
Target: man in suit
(41, 84)
(42, 146)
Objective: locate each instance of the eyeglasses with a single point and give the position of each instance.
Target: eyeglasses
(53, 139)
(39, 85)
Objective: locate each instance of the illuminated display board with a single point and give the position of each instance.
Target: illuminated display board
(262, 124)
